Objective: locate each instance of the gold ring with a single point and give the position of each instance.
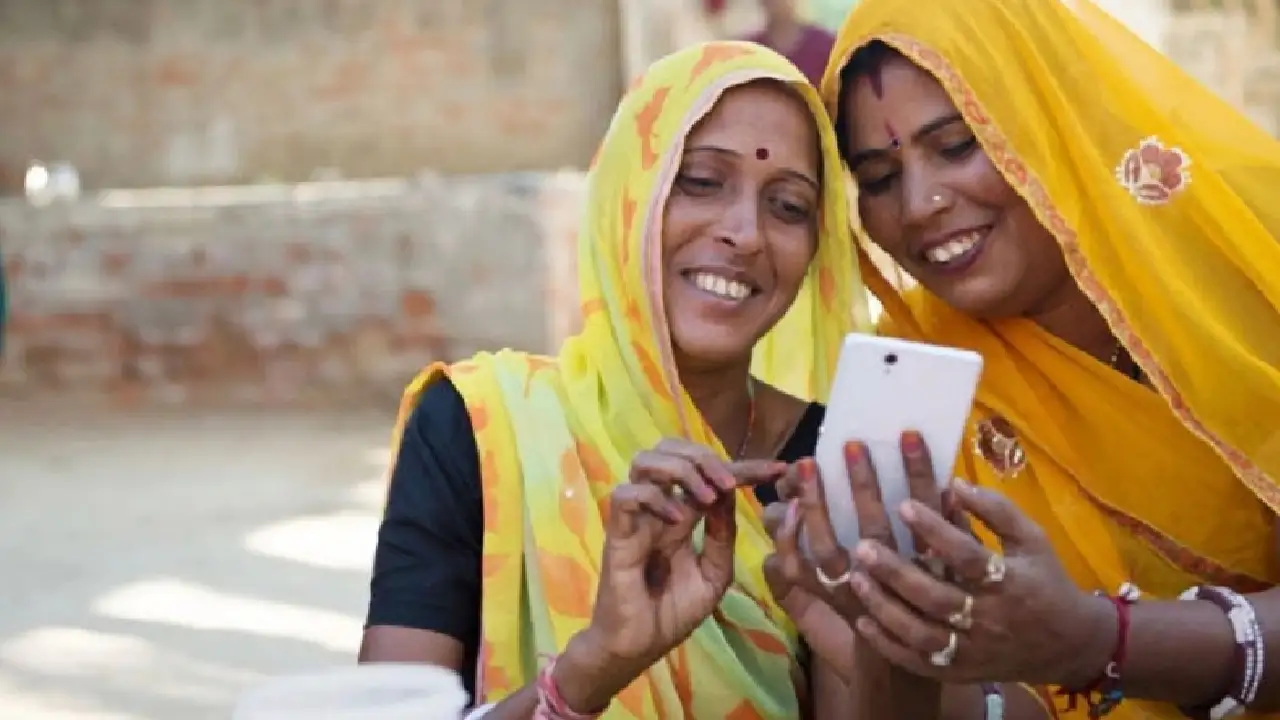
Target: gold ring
(944, 657)
(962, 619)
(996, 569)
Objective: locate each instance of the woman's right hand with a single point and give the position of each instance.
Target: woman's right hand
(655, 587)
(815, 590)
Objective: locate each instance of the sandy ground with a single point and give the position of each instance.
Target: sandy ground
(154, 568)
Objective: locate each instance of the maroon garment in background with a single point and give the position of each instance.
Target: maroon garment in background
(810, 54)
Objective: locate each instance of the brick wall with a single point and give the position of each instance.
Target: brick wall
(281, 295)
(142, 93)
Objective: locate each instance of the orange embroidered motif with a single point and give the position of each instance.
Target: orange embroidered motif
(652, 373)
(633, 314)
(744, 711)
(1153, 173)
(680, 676)
(594, 467)
(714, 53)
(646, 126)
(489, 483)
(496, 679)
(826, 287)
(766, 641)
(479, 417)
(537, 363)
(569, 587)
(628, 222)
(633, 698)
(636, 82)
(573, 501)
(997, 442)
(492, 565)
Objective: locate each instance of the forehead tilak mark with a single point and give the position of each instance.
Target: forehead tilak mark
(762, 153)
(876, 79)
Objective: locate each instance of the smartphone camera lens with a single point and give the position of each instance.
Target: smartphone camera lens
(891, 359)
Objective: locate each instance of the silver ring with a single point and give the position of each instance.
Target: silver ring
(831, 583)
(996, 570)
(962, 619)
(944, 657)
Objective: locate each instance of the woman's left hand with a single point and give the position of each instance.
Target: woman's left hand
(1015, 617)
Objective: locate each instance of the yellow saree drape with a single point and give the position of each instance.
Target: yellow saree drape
(1157, 192)
(556, 434)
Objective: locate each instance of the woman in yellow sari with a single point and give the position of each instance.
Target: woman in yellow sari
(532, 532)
(1095, 224)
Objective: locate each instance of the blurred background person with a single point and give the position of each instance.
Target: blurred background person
(806, 45)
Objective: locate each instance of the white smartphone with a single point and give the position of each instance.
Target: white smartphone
(882, 388)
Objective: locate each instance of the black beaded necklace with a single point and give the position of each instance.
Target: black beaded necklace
(1121, 361)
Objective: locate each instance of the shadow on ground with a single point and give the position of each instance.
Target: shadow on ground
(153, 568)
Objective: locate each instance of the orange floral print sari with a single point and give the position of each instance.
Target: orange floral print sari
(556, 434)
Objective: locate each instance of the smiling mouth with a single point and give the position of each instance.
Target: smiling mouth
(957, 252)
(720, 287)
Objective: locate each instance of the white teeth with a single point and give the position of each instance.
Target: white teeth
(720, 286)
(953, 249)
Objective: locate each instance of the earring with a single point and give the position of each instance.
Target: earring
(937, 199)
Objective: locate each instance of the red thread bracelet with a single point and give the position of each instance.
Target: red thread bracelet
(551, 704)
(1104, 694)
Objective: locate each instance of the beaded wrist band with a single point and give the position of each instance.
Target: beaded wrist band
(551, 706)
(1250, 654)
(1104, 694)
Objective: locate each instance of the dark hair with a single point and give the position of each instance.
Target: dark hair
(865, 61)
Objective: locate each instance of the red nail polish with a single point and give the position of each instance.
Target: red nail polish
(808, 470)
(853, 452)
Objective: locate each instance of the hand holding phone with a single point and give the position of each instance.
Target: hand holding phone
(884, 388)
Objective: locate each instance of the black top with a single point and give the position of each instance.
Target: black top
(426, 572)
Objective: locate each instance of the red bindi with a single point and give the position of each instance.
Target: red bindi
(762, 154)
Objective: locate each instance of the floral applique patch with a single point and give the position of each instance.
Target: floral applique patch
(997, 443)
(1153, 173)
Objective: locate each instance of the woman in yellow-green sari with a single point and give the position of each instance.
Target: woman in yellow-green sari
(1096, 224)
(532, 540)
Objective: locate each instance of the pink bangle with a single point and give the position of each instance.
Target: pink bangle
(551, 706)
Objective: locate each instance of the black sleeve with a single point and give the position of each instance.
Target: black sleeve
(426, 570)
(801, 444)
